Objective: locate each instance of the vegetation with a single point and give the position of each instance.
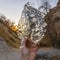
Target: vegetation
(7, 33)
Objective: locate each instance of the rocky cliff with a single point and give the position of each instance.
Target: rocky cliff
(53, 27)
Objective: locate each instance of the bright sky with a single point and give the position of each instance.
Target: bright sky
(12, 8)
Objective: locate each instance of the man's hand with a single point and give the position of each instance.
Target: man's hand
(32, 48)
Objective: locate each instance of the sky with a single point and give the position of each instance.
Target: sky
(12, 9)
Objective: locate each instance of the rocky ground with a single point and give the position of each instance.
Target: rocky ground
(9, 53)
(48, 54)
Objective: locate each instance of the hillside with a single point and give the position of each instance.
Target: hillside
(8, 35)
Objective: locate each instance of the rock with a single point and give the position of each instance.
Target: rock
(48, 54)
(52, 36)
(7, 52)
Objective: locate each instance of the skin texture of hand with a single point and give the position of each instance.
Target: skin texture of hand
(32, 48)
(29, 50)
(32, 52)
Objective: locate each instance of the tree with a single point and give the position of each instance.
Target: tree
(45, 7)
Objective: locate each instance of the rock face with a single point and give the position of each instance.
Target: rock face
(59, 2)
(53, 26)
